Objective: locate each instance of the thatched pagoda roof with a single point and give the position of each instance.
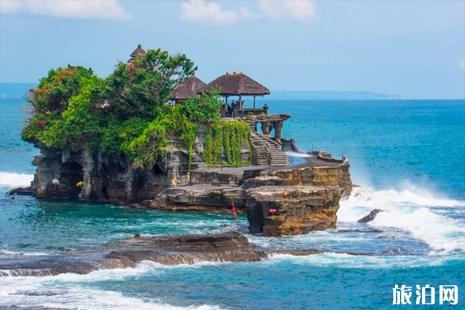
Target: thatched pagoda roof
(138, 51)
(237, 84)
(190, 87)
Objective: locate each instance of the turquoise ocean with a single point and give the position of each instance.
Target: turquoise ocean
(408, 158)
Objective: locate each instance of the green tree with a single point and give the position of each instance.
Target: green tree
(127, 113)
(142, 87)
(55, 90)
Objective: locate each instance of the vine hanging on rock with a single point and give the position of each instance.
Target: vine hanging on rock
(225, 140)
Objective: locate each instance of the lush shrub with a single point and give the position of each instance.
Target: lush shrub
(147, 148)
(202, 108)
(77, 126)
(116, 134)
(57, 88)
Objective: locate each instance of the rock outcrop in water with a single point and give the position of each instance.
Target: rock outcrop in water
(281, 201)
(370, 217)
(292, 210)
(168, 250)
(298, 200)
(227, 247)
(278, 200)
(121, 139)
(165, 250)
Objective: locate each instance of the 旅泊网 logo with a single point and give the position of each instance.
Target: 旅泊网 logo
(425, 294)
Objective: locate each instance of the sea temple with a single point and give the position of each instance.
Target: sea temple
(156, 136)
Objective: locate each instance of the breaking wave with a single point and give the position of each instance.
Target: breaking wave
(68, 291)
(413, 210)
(5, 252)
(348, 261)
(11, 179)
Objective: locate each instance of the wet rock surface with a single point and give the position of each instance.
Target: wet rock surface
(21, 191)
(166, 250)
(169, 250)
(370, 217)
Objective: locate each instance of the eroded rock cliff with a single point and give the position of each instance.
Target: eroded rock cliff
(278, 200)
(104, 178)
(292, 210)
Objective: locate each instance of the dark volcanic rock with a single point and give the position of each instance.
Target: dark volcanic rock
(227, 247)
(167, 250)
(22, 191)
(370, 217)
(172, 250)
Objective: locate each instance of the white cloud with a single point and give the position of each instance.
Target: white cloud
(461, 63)
(201, 12)
(88, 9)
(211, 12)
(301, 10)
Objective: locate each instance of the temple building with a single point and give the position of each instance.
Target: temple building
(138, 51)
(190, 87)
(238, 84)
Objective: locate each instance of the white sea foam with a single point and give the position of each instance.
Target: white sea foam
(409, 209)
(296, 154)
(84, 298)
(144, 267)
(69, 291)
(16, 253)
(342, 260)
(11, 179)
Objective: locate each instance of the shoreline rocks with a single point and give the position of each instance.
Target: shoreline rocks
(370, 216)
(21, 191)
(165, 250)
(291, 210)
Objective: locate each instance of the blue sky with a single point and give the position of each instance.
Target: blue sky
(412, 48)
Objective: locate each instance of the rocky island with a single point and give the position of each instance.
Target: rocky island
(153, 135)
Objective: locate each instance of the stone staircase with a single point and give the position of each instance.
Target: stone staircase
(267, 151)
